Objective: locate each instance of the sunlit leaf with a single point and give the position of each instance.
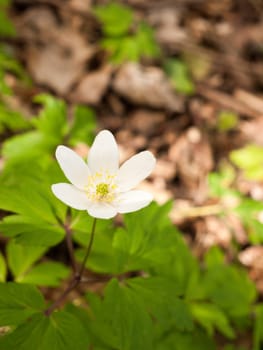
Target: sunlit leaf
(18, 302)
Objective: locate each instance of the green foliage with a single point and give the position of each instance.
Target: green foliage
(3, 269)
(250, 160)
(18, 302)
(9, 64)
(179, 75)
(11, 120)
(246, 209)
(227, 121)
(116, 19)
(7, 28)
(21, 262)
(58, 332)
(125, 39)
(157, 295)
(50, 128)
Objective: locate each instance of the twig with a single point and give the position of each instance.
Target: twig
(201, 211)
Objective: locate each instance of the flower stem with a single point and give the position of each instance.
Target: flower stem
(70, 248)
(82, 267)
(77, 276)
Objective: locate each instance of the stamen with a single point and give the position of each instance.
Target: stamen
(102, 190)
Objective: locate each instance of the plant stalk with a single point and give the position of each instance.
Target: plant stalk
(77, 276)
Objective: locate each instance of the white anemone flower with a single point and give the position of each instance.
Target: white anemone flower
(100, 186)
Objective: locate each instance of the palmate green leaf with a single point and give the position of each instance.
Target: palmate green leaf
(51, 127)
(60, 331)
(258, 328)
(18, 302)
(20, 258)
(122, 49)
(211, 317)
(84, 125)
(31, 232)
(27, 201)
(146, 42)
(52, 118)
(28, 145)
(197, 340)
(250, 160)
(147, 240)
(234, 298)
(6, 26)
(227, 120)
(179, 75)
(12, 120)
(248, 210)
(161, 297)
(3, 268)
(116, 19)
(48, 273)
(38, 177)
(121, 321)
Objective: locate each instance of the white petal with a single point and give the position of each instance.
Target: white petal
(132, 201)
(73, 166)
(104, 154)
(134, 170)
(102, 210)
(71, 196)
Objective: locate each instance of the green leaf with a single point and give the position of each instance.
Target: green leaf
(220, 182)
(12, 120)
(141, 244)
(29, 232)
(52, 118)
(146, 42)
(48, 273)
(211, 317)
(84, 125)
(122, 49)
(3, 269)
(250, 160)
(214, 256)
(227, 120)
(116, 19)
(258, 328)
(161, 296)
(6, 26)
(20, 258)
(179, 75)
(233, 298)
(60, 331)
(27, 145)
(122, 318)
(18, 302)
(27, 201)
(197, 340)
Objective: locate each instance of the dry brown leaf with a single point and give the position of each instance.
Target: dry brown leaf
(146, 86)
(93, 86)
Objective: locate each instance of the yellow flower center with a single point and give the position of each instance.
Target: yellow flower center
(102, 190)
(101, 187)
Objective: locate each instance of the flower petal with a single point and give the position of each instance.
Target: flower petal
(104, 154)
(73, 166)
(71, 196)
(132, 201)
(102, 210)
(134, 170)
